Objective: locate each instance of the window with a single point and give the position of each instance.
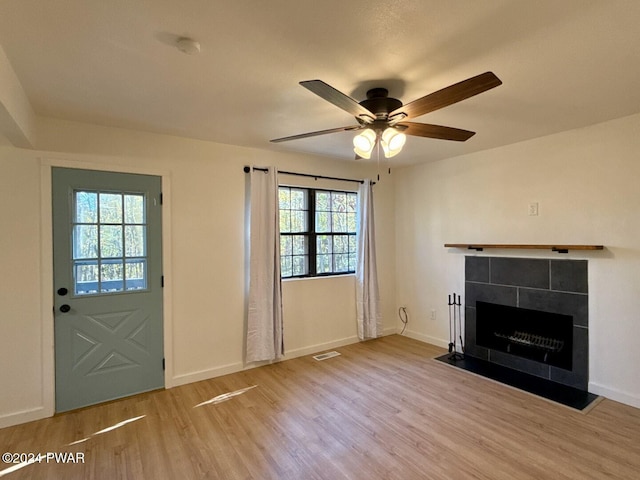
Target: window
(109, 242)
(317, 232)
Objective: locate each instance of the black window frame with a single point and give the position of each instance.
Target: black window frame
(312, 234)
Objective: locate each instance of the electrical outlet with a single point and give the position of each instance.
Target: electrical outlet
(533, 209)
(433, 314)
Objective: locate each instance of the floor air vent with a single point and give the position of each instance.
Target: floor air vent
(324, 356)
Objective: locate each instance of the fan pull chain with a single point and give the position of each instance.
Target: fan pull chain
(378, 154)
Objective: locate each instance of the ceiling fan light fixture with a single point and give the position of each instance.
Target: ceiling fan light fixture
(382, 118)
(364, 142)
(392, 141)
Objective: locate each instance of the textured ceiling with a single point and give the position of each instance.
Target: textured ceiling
(564, 64)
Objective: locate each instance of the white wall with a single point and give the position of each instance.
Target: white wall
(21, 353)
(586, 184)
(206, 258)
(17, 118)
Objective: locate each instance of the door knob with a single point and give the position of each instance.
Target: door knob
(65, 308)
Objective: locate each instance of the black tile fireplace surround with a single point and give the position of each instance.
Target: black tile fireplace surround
(547, 299)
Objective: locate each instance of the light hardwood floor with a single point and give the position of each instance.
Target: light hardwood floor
(383, 409)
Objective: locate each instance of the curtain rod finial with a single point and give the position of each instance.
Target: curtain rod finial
(247, 169)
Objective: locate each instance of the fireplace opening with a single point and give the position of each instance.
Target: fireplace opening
(540, 336)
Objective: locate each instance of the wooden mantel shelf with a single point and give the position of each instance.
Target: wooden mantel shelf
(555, 248)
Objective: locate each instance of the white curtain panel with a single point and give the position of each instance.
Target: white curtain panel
(369, 316)
(264, 323)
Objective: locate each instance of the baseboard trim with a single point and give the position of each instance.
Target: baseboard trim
(390, 331)
(438, 342)
(240, 366)
(24, 416)
(201, 375)
(319, 347)
(614, 394)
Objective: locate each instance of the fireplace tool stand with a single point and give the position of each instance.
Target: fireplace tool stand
(453, 334)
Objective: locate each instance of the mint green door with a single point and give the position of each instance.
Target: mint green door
(107, 285)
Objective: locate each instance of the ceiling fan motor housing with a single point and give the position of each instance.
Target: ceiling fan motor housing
(380, 104)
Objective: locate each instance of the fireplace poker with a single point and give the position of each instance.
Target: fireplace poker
(455, 335)
(460, 322)
(455, 355)
(451, 335)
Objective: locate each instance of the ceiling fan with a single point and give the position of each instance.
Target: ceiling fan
(383, 119)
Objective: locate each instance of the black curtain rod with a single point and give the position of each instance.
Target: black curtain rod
(248, 169)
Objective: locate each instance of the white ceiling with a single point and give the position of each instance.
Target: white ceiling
(565, 64)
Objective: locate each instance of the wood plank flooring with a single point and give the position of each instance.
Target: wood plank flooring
(384, 409)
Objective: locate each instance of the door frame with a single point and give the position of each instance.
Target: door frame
(46, 261)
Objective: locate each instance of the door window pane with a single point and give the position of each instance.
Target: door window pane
(134, 208)
(111, 277)
(85, 241)
(86, 277)
(86, 207)
(134, 240)
(136, 274)
(110, 207)
(109, 242)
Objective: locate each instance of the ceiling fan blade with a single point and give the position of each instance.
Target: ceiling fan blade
(315, 134)
(339, 99)
(436, 131)
(449, 95)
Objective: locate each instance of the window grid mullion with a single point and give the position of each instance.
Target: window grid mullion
(312, 232)
(98, 223)
(124, 245)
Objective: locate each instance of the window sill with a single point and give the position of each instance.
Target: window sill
(319, 277)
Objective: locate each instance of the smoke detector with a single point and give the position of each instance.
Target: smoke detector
(188, 46)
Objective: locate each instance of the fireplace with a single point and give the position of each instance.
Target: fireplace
(539, 336)
(530, 315)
